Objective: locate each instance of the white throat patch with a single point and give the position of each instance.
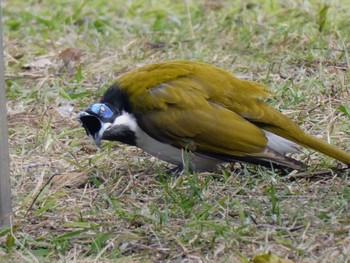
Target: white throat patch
(126, 119)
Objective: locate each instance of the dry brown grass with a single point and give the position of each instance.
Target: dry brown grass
(117, 204)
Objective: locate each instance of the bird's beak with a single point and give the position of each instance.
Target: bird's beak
(93, 126)
(97, 139)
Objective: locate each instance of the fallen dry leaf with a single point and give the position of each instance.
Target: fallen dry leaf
(65, 110)
(40, 63)
(72, 180)
(214, 5)
(70, 54)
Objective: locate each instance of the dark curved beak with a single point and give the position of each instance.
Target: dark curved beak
(92, 124)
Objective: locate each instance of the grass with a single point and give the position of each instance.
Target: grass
(118, 204)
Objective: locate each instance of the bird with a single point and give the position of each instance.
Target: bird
(197, 115)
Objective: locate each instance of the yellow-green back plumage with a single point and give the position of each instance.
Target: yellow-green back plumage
(202, 107)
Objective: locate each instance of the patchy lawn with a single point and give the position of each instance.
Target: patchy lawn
(117, 203)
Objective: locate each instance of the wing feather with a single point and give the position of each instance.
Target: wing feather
(181, 103)
(185, 117)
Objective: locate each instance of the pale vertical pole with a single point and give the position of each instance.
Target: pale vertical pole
(5, 184)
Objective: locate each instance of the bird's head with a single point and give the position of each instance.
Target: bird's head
(96, 119)
(111, 119)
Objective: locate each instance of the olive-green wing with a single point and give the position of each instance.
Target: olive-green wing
(185, 104)
(187, 119)
(182, 114)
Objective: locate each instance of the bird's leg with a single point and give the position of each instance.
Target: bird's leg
(176, 171)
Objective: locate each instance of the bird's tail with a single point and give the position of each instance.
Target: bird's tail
(323, 147)
(279, 124)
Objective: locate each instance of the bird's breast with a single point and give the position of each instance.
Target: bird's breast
(171, 154)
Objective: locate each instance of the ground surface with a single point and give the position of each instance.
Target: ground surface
(117, 204)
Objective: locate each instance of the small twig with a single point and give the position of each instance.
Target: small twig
(254, 220)
(290, 229)
(154, 233)
(327, 49)
(110, 244)
(312, 174)
(36, 197)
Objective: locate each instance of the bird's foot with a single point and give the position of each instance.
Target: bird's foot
(176, 171)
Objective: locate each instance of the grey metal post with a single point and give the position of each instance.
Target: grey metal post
(5, 184)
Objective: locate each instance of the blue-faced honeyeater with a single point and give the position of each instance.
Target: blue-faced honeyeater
(173, 107)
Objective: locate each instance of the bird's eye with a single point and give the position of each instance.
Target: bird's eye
(101, 110)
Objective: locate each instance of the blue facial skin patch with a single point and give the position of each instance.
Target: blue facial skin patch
(101, 110)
